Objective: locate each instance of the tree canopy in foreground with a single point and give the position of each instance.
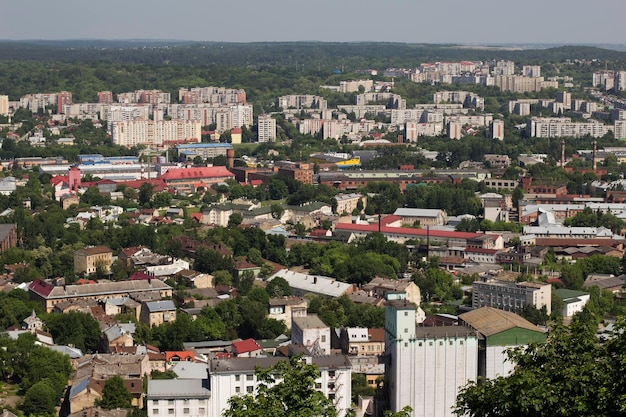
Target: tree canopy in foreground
(572, 374)
(286, 389)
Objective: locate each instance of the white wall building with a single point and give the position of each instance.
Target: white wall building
(311, 332)
(178, 397)
(266, 131)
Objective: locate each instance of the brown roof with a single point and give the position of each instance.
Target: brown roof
(490, 321)
(95, 250)
(376, 334)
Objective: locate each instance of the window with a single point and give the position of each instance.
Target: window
(186, 410)
(170, 402)
(155, 411)
(237, 389)
(249, 377)
(237, 378)
(331, 374)
(249, 389)
(201, 410)
(323, 338)
(460, 342)
(318, 385)
(406, 330)
(170, 411)
(155, 402)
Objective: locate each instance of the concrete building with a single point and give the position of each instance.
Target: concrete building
(4, 105)
(155, 313)
(312, 333)
(266, 129)
(347, 203)
(361, 341)
(155, 133)
(553, 127)
(511, 296)
(230, 377)
(573, 301)
(189, 151)
(428, 365)
(178, 397)
(302, 284)
(285, 308)
(425, 217)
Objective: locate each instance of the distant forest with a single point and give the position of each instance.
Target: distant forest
(264, 70)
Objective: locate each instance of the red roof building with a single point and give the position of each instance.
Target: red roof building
(248, 348)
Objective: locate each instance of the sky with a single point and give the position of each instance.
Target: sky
(491, 22)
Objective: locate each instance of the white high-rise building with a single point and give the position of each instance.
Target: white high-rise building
(266, 131)
(151, 133)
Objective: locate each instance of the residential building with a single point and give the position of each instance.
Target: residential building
(300, 102)
(50, 295)
(4, 105)
(189, 151)
(553, 127)
(154, 133)
(312, 333)
(361, 341)
(284, 308)
(155, 313)
(347, 203)
(511, 296)
(266, 129)
(178, 397)
(247, 348)
(301, 171)
(88, 260)
(230, 377)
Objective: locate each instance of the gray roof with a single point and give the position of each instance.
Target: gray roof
(309, 322)
(190, 370)
(239, 365)
(73, 353)
(313, 283)
(177, 388)
(103, 288)
(5, 230)
(417, 212)
(163, 305)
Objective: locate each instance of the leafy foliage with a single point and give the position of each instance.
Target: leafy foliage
(115, 394)
(285, 389)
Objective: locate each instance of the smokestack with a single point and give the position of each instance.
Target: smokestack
(562, 153)
(230, 155)
(595, 162)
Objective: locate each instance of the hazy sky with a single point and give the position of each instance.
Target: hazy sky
(432, 21)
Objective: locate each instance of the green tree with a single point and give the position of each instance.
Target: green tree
(278, 287)
(115, 394)
(285, 389)
(235, 220)
(145, 193)
(40, 399)
(570, 374)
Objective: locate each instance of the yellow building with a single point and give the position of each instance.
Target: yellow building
(87, 260)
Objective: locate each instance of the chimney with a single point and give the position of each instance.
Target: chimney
(562, 153)
(595, 149)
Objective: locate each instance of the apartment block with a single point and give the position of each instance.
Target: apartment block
(300, 102)
(553, 127)
(151, 133)
(511, 296)
(266, 129)
(4, 105)
(89, 259)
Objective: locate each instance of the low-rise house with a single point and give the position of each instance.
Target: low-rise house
(606, 282)
(573, 301)
(118, 335)
(247, 348)
(379, 287)
(195, 279)
(361, 341)
(423, 217)
(284, 308)
(168, 270)
(481, 255)
(154, 313)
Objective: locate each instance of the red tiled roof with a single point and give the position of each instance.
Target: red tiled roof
(370, 228)
(376, 334)
(245, 346)
(196, 173)
(318, 232)
(139, 275)
(183, 355)
(41, 288)
(83, 281)
(196, 216)
(60, 179)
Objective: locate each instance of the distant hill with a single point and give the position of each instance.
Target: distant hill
(307, 55)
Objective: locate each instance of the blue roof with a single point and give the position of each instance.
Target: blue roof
(204, 145)
(78, 388)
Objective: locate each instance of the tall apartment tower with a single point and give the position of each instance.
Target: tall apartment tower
(4, 105)
(620, 81)
(105, 97)
(497, 129)
(63, 98)
(266, 128)
(428, 365)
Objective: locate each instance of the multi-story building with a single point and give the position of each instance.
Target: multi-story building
(50, 295)
(425, 217)
(88, 260)
(620, 81)
(300, 102)
(151, 133)
(188, 151)
(531, 70)
(347, 203)
(312, 333)
(301, 171)
(212, 95)
(522, 84)
(497, 129)
(8, 236)
(4, 105)
(186, 179)
(230, 377)
(145, 97)
(266, 129)
(285, 308)
(63, 98)
(105, 97)
(361, 341)
(179, 397)
(511, 296)
(154, 313)
(553, 127)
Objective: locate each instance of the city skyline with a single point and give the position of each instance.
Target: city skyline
(487, 22)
